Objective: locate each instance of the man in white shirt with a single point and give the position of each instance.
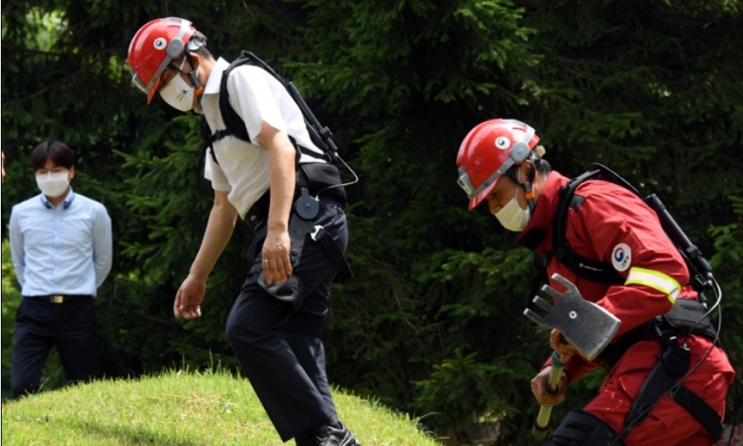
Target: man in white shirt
(61, 247)
(274, 326)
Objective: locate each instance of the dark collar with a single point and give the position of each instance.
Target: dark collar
(65, 204)
(540, 224)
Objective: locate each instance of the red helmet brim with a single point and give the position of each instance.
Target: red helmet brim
(481, 196)
(153, 90)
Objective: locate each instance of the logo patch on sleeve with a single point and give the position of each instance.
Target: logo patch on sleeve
(621, 257)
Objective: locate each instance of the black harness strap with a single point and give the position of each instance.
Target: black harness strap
(700, 410)
(209, 139)
(588, 268)
(614, 352)
(591, 269)
(686, 317)
(342, 268)
(235, 125)
(233, 122)
(673, 362)
(540, 278)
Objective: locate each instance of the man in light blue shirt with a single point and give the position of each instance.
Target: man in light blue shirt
(61, 247)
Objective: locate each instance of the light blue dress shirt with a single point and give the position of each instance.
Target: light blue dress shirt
(62, 250)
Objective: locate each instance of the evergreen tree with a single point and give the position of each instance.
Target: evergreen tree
(431, 322)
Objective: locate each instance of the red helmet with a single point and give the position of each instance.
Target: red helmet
(152, 49)
(488, 151)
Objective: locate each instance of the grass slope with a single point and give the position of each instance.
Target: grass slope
(184, 409)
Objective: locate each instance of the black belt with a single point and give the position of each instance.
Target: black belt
(61, 298)
(682, 319)
(317, 178)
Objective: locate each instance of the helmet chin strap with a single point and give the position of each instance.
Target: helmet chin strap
(528, 185)
(198, 88)
(529, 196)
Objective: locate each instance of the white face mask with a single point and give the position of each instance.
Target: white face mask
(53, 184)
(512, 217)
(177, 93)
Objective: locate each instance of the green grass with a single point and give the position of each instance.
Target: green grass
(185, 409)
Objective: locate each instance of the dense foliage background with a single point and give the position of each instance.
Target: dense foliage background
(431, 323)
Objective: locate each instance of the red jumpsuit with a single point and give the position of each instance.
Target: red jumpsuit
(613, 225)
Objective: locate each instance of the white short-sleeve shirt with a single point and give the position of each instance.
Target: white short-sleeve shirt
(256, 96)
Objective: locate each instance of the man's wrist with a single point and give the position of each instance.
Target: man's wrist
(280, 226)
(198, 275)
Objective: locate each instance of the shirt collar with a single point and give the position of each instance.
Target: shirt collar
(65, 204)
(540, 224)
(215, 77)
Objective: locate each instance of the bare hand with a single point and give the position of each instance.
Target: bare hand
(276, 263)
(558, 343)
(539, 388)
(188, 299)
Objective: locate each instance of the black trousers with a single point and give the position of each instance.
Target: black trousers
(287, 369)
(41, 324)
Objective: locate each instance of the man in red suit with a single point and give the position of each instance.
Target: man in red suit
(643, 277)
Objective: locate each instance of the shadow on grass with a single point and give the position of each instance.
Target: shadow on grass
(95, 434)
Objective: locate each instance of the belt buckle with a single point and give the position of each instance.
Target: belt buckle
(58, 299)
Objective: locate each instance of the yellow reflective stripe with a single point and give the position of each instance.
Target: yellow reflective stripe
(655, 280)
